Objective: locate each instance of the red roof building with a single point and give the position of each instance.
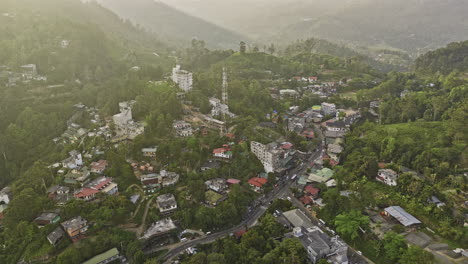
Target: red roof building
(308, 134)
(286, 146)
(232, 181)
(99, 166)
(306, 200)
(240, 233)
(85, 194)
(257, 183)
(312, 191)
(313, 79)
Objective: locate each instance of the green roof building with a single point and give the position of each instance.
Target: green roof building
(106, 257)
(322, 175)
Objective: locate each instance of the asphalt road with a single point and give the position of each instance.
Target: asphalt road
(283, 190)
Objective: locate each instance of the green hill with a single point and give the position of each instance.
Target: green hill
(98, 39)
(171, 23)
(444, 60)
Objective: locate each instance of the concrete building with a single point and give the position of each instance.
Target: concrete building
(75, 227)
(125, 126)
(183, 78)
(296, 124)
(387, 176)
(166, 203)
(270, 155)
(218, 185)
(5, 195)
(328, 109)
(55, 236)
(159, 228)
(183, 129)
(219, 108)
(74, 161)
(317, 243)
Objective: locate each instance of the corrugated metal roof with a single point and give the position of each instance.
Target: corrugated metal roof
(402, 216)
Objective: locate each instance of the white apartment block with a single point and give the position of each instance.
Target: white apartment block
(183, 78)
(268, 155)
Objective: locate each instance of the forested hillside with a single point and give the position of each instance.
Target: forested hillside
(444, 60)
(401, 24)
(172, 24)
(93, 67)
(176, 167)
(320, 46)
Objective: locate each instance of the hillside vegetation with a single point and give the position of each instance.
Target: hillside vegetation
(407, 25)
(444, 60)
(171, 23)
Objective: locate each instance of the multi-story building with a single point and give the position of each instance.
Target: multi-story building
(183, 129)
(328, 109)
(75, 227)
(125, 126)
(270, 155)
(183, 78)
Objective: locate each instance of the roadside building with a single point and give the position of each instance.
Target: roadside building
(257, 183)
(317, 243)
(109, 256)
(320, 176)
(159, 228)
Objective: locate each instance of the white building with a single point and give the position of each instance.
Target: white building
(269, 155)
(5, 195)
(387, 176)
(183, 129)
(219, 108)
(124, 124)
(74, 161)
(288, 92)
(328, 109)
(166, 202)
(183, 78)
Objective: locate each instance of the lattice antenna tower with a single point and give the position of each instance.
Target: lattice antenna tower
(225, 88)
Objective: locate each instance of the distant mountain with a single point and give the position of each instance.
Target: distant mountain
(171, 23)
(411, 25)
(444, 60)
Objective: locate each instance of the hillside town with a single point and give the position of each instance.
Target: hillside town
(127, 150)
